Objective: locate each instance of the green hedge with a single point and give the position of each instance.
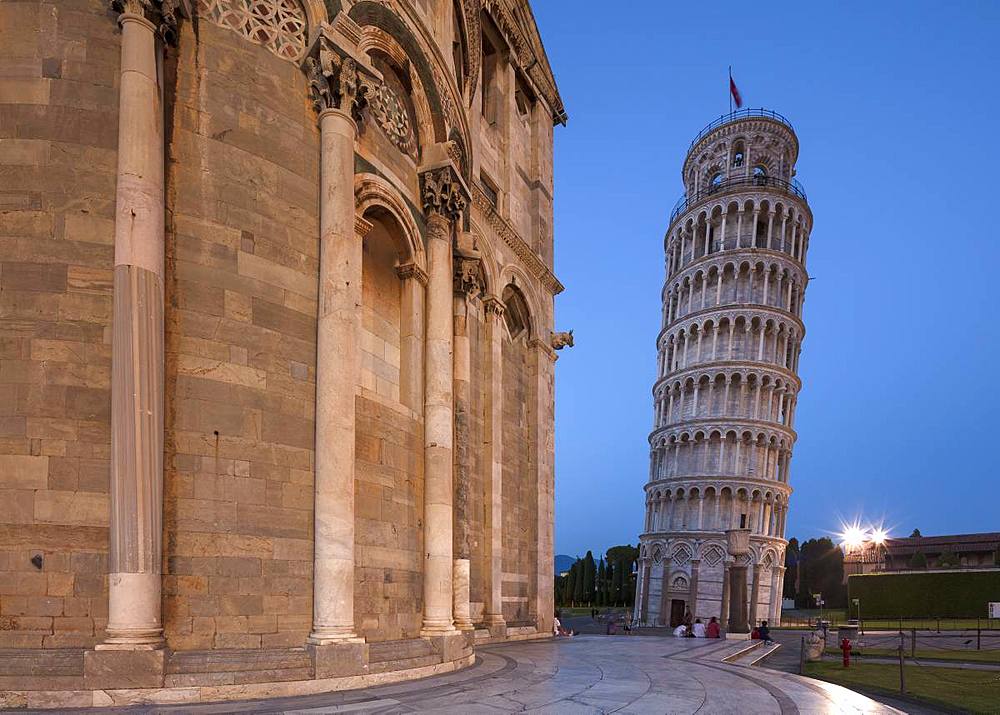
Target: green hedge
(944, 594)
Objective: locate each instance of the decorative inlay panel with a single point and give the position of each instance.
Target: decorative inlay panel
(392, 116)
(278, 25)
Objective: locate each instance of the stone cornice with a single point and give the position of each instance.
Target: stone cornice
(506, 232)
(723, 425)
(728, 368)
(718, 482)
(737, 256)
(732, 311)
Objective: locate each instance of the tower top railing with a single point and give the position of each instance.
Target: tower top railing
(686, 201)
(737, 115)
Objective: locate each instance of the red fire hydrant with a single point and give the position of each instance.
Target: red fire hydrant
(845, 645)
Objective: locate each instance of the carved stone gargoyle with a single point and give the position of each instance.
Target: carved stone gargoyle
(562, 340)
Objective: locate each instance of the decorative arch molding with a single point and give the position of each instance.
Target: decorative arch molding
(515, 275)
(372, 191)
(371, 13)
(490, 264)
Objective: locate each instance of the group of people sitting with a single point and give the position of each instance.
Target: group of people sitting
(697, 629)
(687, 629)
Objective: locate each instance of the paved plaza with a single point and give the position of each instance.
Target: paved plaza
(585, 674)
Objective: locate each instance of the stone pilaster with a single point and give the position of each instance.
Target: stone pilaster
(665, 592)
(754, 596)
(544, 442)
(467, 268)
(494, 619)
(693, 601)
(724, 605)
(647, 568)
(333, 83)
(444, 198)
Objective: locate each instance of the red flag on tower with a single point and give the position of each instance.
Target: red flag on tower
(734, 91)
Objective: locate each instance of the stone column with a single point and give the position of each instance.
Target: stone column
(494, 476)
(754, 595)
(467, 287)
(443, 203)
(737, 599)
(333, 82)
(135, 542)
(337, 369)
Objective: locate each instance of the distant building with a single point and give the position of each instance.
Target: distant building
(950, 551)
(973, 550)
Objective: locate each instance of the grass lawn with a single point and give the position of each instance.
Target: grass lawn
(972, 656)
(973, 690)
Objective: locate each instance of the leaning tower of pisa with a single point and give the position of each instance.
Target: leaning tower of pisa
(727, 378)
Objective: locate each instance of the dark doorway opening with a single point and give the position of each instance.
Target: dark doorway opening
(676, 612)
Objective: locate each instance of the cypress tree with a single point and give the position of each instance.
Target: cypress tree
(601, 578)
(589, 574)
(567, 592)
(578, 582)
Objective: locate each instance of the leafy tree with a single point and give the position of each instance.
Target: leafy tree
(947, 558)
(569, 584)
(918, 560)
(621, 558)
(821, 570)
(916, 534)
(601, 578)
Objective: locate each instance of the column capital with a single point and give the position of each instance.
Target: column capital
(339, 76)
(412, 270)
(362, 226)
(162, 14)
(494, 306)
(442, 190)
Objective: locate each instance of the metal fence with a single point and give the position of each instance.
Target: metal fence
(740, 114)
(686, 201)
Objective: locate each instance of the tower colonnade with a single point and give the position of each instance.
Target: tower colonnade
(726, 387)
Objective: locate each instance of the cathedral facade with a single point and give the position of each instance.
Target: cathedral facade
(727, 383)
(276, 348)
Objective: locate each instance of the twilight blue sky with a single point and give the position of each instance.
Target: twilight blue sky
(895, 105)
